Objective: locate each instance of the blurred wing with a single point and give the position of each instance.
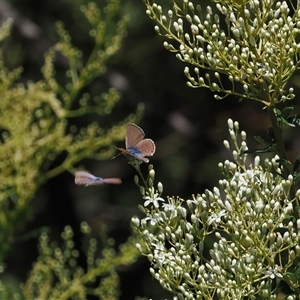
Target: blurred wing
(82, 181)
(112, 180)
(84, 174)
(134, 134)
(84, 178)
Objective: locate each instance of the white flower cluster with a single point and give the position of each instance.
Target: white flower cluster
(254, 43)
(236, 241)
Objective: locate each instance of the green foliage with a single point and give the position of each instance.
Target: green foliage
(239, 240)
(56, 274)
(35, 129)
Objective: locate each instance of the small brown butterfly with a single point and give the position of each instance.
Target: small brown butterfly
(136, 145)
(86, 178)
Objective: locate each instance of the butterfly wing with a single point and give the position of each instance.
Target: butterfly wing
(112, 180)
(84, 174)
(134, 134)
(86, 178)
(147, 147)
(136, 145)
(143, 148)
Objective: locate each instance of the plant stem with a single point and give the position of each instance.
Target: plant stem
(278, 136)
(280, 147)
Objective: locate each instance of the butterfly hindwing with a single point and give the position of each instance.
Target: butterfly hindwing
(146, 146)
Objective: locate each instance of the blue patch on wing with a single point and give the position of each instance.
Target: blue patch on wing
(135, 151)
(97, 179)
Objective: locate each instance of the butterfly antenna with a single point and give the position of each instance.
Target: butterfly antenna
(117, 154)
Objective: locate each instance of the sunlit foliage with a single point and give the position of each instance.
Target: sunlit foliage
(35, 129)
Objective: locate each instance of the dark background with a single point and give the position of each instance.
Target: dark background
(187, 125)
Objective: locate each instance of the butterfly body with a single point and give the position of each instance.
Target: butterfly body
(87, 179)
(136, 152)
(136, 146)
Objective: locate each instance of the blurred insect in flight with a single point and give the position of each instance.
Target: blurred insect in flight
(87, 179)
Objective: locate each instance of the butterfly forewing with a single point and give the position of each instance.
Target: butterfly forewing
(134, 134)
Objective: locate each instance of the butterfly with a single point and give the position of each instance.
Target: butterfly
(136, 145)
(86, 178)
